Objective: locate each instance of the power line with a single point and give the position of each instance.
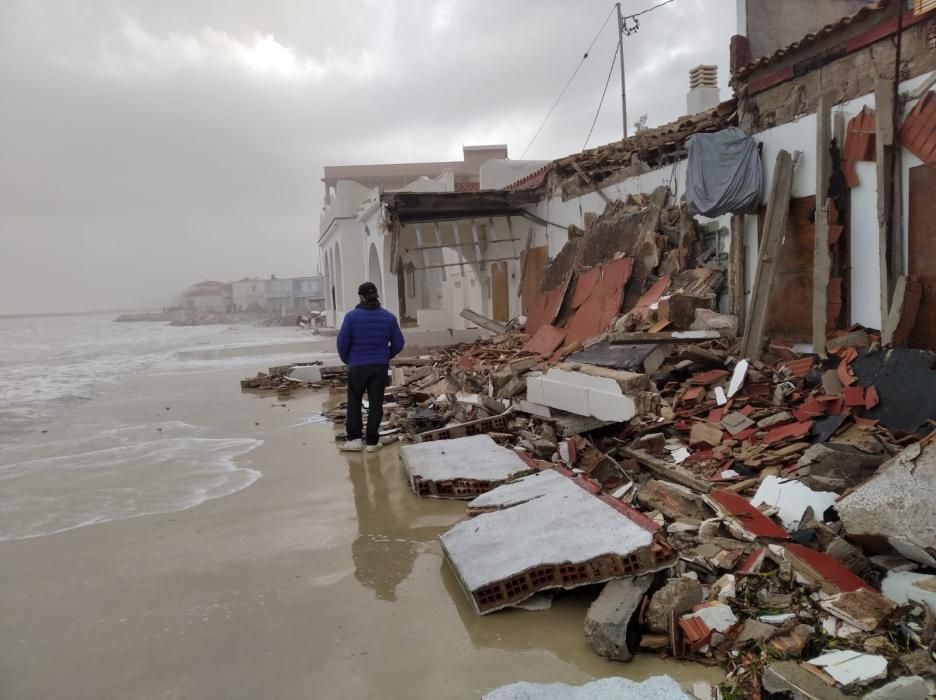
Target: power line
(571, 78)
(635, 25)
(603, 93)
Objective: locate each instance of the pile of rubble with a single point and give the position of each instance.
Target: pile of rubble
(772, 515)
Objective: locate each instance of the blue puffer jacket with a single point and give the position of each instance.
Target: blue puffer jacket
(369, 337)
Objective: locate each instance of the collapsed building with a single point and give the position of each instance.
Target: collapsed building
(712, 344)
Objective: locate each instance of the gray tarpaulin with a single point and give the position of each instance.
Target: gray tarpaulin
(724, 173)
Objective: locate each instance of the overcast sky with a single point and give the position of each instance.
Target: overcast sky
(146, 145)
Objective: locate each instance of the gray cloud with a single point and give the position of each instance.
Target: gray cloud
(148, 145)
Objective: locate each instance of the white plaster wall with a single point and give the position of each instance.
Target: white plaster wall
(864, 291)
(864, 248)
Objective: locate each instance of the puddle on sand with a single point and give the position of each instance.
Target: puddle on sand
(396, 529)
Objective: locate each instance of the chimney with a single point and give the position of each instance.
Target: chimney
(703, 89)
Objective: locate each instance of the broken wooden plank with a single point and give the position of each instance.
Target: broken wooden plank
(736, 268)
(884, 146)
(646, 253)
(666, 470)
(822, 260)
(483, 321)
(588, 181)
(623, 338)
(903, 311)
(775, 224)
(525, 261)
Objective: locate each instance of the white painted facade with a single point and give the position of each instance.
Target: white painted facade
(250, 294)
(864, 249)
(355, 247)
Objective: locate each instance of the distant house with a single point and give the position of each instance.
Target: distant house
(250, 294)
(208, 296)
(294, 295)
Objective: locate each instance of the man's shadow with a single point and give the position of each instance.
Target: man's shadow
(386, 547)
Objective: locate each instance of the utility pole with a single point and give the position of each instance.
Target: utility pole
(620, 21)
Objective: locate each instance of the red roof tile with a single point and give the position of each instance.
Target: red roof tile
(546, 340)
(467, 186)
(918, 132)
(832, 576)
(755, 523)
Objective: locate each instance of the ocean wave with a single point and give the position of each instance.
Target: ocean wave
(116, 473)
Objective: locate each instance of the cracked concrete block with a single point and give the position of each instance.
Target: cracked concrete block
(835, 467)
(905, 688)
(896, 505)
(656, 688)
(445, 468)
(534, 385)
(609, 618)
(678, 596)
(787, 679)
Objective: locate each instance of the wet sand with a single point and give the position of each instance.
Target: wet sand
(323, 579)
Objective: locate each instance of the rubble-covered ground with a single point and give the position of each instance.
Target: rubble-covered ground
(789, 498)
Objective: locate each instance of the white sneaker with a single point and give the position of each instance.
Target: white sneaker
(374, 448)
(353, 446)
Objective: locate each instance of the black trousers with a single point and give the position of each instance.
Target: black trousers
(373, 380)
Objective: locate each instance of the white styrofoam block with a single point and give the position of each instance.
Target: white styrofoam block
(534, 384)
(611, 407)
(565, 396)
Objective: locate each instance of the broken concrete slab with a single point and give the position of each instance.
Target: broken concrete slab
(862, 608)
(610, 618)
(673, 500)
(788, 679)
(849, 667)
(904, 688)
(505, 556)
(791, 499)
(517, 492)
(896, 505)
(587, 395)
(836, 467)
(678, 596)
(755, 631)
(792, 642)
(310, 374)
(460, 468)
(656, 688)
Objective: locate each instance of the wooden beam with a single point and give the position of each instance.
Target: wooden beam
(623, 338)
(588, 181)
(483, 321)
(775, 225)
(666, 470)
(526, 256)
(822, 260)
(884, 157)
(736, 268)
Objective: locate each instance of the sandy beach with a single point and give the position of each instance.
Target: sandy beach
(321, 579)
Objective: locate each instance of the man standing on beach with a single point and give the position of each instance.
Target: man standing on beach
(369, 337)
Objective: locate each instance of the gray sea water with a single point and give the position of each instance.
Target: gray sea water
(51, 365)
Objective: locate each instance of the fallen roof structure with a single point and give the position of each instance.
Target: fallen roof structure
(505, 556)
(460, 468)
(656, 688)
